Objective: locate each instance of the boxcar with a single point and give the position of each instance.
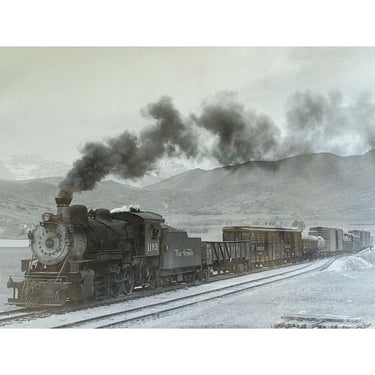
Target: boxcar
(270, 245)
(349, 242)
(362, 239)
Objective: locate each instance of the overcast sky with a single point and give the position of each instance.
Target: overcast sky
(53, 100)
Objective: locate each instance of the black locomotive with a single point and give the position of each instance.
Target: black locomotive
(79, 254)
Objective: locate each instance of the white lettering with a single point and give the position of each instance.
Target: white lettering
(152, 246)
(184, 252)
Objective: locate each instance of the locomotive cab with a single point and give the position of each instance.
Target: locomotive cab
(147, 230)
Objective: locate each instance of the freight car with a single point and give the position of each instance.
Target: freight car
(361, 239)
(350, 242)
(226, 256)
(270, 245)
(312, 245)
(336, 241)
(333, 240)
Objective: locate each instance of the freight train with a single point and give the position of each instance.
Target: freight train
(80, 254)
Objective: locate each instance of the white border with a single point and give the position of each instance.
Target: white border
(186, 23)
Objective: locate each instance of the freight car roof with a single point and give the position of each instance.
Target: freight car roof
(310, 237)
(261, 228)
(330, 228)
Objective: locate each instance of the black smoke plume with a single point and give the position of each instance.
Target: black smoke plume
(314, 123)
(129, 155)
(241, 135)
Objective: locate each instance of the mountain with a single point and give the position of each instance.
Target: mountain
(23, 202)
(165, 169)
(32, 166)
(5, 173)
(26, 167)
(320, 189)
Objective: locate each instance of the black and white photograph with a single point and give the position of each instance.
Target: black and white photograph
(175, 188)
(144, 204)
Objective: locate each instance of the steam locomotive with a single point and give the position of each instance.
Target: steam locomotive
(79, 254)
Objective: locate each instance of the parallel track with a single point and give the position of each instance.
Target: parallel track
(156, 309)
(24, 314)
(11, 315)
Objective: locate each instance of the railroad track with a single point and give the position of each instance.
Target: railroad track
(331, 322)
(13, 317)
(20, 314)
(153, 310)
(24, 314)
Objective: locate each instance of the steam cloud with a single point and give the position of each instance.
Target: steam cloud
(314, 122)
(241, 136)
(326, 123)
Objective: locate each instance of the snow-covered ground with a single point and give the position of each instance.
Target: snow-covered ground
(10, 264)
(344, 289)
(54, 320)
(13, 243)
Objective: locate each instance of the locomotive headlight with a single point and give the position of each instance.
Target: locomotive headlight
(50, 243)
(46, 216)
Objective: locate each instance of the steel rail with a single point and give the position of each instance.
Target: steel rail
(243, 286)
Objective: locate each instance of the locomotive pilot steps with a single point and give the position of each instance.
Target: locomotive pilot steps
(79, 254)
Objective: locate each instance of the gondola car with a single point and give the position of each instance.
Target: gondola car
(226, 256)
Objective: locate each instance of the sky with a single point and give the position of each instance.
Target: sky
(54, 100)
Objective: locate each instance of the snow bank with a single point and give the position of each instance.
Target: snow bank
(361, 261)
(368, 255)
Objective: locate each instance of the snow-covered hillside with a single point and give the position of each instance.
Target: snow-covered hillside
(27, 167)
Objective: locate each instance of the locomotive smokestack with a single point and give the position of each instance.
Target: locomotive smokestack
(63, 207)
(64, 201)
